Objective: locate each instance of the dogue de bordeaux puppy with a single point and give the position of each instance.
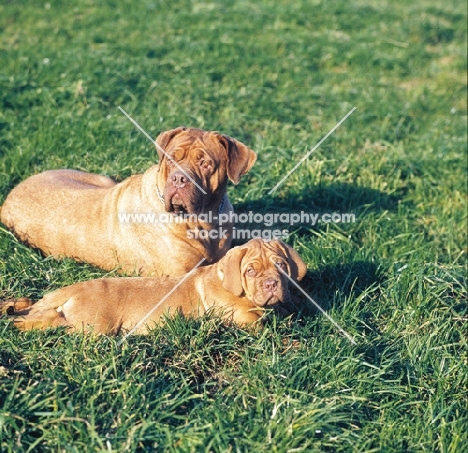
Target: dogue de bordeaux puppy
(67, 213)
(246, 281)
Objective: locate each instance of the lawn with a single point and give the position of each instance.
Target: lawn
(278, 76)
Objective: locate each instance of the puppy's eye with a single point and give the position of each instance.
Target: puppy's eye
(250, 272)
(281, 264)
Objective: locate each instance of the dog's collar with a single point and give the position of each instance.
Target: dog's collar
(220, 209)
(161, 198)
(221, 205)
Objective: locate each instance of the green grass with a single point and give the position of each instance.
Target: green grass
(276, 75)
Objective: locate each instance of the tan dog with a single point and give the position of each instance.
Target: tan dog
(85, 216)
(241, 285)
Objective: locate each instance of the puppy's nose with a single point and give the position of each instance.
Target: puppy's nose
(179, 179)
(271, 285)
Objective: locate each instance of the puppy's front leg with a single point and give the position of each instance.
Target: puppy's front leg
(250, 317)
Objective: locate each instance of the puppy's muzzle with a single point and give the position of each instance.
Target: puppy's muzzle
(270, 285)
(273, 292)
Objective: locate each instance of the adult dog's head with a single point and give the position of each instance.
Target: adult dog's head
(257, 271)
(193, 161)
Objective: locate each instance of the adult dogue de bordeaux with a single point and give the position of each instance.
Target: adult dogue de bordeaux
(67, 213)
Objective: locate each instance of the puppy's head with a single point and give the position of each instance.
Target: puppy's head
(256, 270)
(194, 159)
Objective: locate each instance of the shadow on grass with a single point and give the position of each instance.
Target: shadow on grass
(345, 280)
(341, 197)
(8, 357)
(332, 286)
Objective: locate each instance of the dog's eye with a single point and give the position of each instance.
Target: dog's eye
(205, 164)
(281, 264)
(251, 272)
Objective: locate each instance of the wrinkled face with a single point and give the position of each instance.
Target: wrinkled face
(263, 282)
(258, 270)
(197, 158)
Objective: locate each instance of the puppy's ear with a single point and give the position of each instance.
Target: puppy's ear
(240, 158)
(230, 272)
(296, 265)
(164, 139)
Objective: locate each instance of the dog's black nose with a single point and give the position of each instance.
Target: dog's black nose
(271, 285)
(179, 179)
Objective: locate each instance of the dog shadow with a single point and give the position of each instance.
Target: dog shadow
(329, 283)
(332, 286)
(326, 198)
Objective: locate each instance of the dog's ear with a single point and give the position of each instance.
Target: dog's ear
(230, 272)
(240, 158)
(164, 139)
(297, 267)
